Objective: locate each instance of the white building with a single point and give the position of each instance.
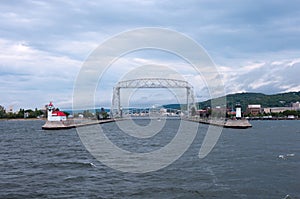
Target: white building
(296, 105)
(276, 109)
(55, 115)
(238, 111)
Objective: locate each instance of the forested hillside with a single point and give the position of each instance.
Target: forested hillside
(276, 100)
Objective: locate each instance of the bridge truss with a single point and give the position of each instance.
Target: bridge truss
(150, 83)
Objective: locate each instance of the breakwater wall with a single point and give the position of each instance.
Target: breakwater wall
(57, 125)
(238, 124)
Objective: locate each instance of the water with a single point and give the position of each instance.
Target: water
(261, 162)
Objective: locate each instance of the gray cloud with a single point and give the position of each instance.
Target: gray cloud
(44, 43)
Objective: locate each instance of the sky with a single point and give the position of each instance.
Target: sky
(255, 45)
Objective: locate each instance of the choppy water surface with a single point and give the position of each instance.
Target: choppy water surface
(261, 162)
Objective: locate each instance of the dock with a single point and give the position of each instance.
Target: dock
(59, 125)
(237, 124)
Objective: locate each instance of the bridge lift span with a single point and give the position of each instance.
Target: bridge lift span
(150, 83)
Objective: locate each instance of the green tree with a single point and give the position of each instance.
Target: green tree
(193, 111)
(290, 112)
(10, 115)
(67, 113)
(20, 114)
(30, 113)
(2, 112)
(38, 112)
(102, 114)
(87, 114)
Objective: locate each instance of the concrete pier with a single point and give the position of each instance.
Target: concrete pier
(58, 125)
(238, 124)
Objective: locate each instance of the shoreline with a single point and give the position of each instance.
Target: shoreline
(275, 118)
(22, 119)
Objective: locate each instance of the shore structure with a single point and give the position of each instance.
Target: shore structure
(68, 124)
(57, 120)
(229, 123)
(54, 115)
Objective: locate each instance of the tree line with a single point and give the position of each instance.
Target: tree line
(22, 113)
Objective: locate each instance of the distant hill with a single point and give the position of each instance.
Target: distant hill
(275, 100)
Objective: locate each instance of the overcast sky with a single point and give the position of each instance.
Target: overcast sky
(254, 44)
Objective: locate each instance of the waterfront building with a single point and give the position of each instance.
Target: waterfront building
(55, 114)
(11, 109)
(276, 109)
(253, 109)
(296, 106)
